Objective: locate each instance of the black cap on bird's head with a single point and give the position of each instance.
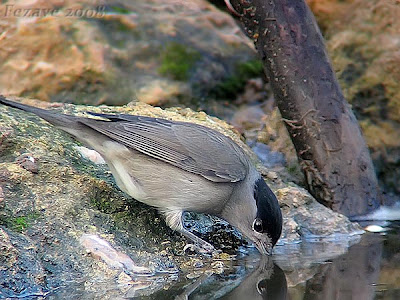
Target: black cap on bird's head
(269, 216)
(254, 210)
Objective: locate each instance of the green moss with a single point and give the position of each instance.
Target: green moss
(22, 222)
(233, 85)
(118, 9)
(177, 60)
(106, 197)
(103, 204)
(251, 68)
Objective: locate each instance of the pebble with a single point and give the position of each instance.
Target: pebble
(102, 249)
(91, 155)
(28, 162)
(375, 228)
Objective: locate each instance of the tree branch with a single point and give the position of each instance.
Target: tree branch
(324, 130)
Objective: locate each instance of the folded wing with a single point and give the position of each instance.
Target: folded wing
(191, 147)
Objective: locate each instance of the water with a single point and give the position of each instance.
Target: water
(314, 270)
(363, 267)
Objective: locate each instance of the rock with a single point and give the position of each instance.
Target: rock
(304, 218)
(269, 158)
(93, 52)
(28, 162)
(363, 42)
(92, 155)
(101, 249)
(21, 272)
(49, 212)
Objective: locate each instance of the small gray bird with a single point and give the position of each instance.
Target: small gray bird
(178, 167)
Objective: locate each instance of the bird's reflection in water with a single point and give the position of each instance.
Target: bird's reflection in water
(267, 281)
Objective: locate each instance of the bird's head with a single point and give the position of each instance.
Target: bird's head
(254, 210)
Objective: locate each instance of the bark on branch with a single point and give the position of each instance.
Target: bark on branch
(324, 130)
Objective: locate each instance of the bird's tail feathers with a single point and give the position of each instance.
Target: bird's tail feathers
(59, 120)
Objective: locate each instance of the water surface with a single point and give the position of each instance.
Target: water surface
(319, 269)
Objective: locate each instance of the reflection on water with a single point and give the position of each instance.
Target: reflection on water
(350, 276)
(267, 281)
(252, 277)
(315, 270)
(261, 284)
(369, 270)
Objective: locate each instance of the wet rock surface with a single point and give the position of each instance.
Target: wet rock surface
(21, 272)
(45, 214)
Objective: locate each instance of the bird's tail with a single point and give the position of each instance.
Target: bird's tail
(59, 120)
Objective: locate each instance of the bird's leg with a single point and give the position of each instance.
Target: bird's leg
(174, 220)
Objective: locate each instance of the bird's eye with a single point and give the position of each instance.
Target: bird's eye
(258, 225)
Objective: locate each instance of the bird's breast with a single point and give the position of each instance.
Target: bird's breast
(163, 185)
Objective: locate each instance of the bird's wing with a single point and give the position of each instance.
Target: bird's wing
(193, 148)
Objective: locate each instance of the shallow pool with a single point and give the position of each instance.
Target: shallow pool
(319, 269)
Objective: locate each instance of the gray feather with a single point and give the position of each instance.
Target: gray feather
(191, 147)
(59, 120)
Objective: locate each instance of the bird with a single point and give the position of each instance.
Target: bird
(178, 167)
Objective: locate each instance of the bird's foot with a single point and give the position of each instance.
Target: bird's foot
(174, 220)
